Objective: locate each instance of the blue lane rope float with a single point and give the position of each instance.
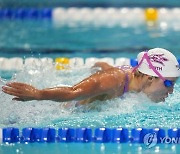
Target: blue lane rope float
(26, 13)
(133, 62)
(120, 135)
(38, 135)
(137, 135)
(159, 132)
(66, 134)
(83, 135)
(10, 135)
(102, 135)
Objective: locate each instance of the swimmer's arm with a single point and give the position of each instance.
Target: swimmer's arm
(104, 66)
(97, 84)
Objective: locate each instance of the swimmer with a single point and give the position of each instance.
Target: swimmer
(155, 75)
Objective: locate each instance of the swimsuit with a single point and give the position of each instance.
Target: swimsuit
(123, 68)
(126, 83)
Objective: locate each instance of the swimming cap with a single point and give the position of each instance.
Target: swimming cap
(163, 61)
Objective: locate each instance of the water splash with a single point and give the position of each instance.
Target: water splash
(134, 110)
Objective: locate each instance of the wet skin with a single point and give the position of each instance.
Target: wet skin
(102, 85)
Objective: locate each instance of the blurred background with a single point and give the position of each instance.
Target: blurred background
(87, 28)
(89, 3)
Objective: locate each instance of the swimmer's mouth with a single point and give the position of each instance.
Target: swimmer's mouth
(163, 99)
(166, 96)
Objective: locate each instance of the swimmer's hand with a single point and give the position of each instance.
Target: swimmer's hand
(21, 91)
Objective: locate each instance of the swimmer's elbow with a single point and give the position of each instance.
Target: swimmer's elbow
(82, 93)
(72, 94)
(77, 94)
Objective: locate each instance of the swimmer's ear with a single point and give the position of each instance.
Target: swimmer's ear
(149, 80)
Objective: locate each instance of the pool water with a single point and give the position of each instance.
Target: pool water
(43, 38)
(89, 148)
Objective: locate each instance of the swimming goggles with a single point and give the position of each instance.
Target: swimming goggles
(167, 83)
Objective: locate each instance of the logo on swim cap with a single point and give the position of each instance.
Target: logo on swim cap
(158, 58)
(162, 60)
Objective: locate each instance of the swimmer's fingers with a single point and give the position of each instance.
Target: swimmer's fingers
(9, 90)
(17, 85)
(19, 97)
(20, 87)
(21, 90)
(13, 92)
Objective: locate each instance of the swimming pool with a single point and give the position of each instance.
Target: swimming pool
(31, 36)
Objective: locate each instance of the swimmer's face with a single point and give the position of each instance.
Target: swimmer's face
(157, 91)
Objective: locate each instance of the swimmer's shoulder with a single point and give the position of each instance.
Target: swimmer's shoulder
(122, 71)
(119, 71)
